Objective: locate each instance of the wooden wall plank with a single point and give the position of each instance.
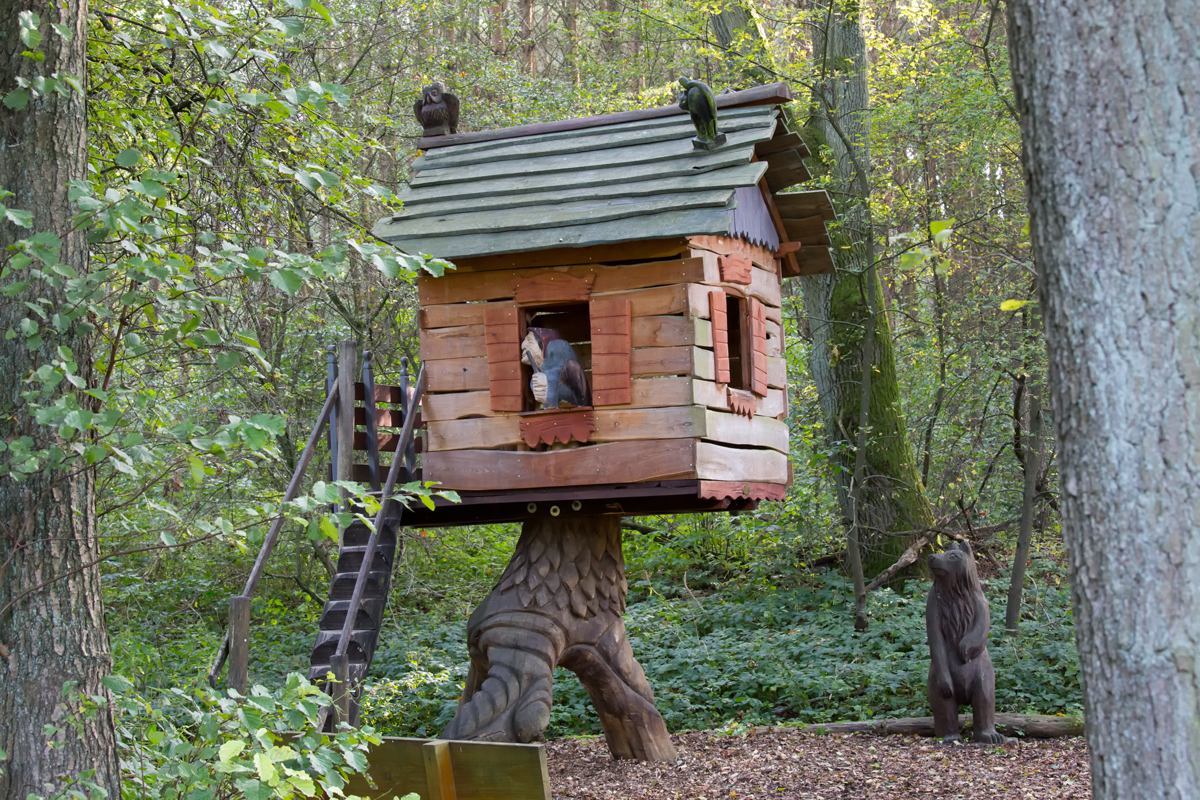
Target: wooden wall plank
(447, 315)
(613, 462)
(761, 431)
(457, 375)
(764, 286)
(713, 395)
(685, 422)
(704, 364)
(715, 462)
(460, 341)
(653, 361)
(776, 372)
(496, 284)
(774, 339)
(457, 405)
(473, 434)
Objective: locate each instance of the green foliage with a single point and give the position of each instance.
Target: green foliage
(755, 654)
(204, 746)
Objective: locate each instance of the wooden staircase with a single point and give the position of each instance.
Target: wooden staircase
(344, 646)
(364, 636)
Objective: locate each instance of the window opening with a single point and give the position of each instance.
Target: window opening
(739, 356)
(556, 343)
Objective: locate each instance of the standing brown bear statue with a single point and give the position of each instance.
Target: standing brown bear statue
(957, 621)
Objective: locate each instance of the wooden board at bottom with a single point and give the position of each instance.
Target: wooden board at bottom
(717, 463)
(481, 770)
(761, 431)
(615, 462)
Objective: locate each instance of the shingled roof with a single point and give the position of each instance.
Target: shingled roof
(610, 178)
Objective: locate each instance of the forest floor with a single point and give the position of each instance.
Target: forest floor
(794, 764)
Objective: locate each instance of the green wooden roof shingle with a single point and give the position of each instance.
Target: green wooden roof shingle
(600, 180)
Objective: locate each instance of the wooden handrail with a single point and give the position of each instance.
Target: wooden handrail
(260, 563)
(364, 569)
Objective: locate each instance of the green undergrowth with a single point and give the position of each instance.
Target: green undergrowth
(759, 655)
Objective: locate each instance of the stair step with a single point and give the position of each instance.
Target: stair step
(317, 672)
(350, 559)
(333, 616)
(361, 647)
(357, 535)
(343, 585)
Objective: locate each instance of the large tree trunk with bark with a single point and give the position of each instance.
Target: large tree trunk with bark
(839, 307)
(51, 615)
(1108, 95)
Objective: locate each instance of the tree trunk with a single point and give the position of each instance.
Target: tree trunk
(1108, 96)
(1027, 446)
(559, 603)
(51, 613)
(839, 308)
(610, 28)
(528, 56)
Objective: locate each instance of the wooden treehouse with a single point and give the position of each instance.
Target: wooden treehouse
(660, 263)
(611, 343)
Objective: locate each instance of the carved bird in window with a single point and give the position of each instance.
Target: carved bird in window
(698, 100)
(558, 379)
(437, 110)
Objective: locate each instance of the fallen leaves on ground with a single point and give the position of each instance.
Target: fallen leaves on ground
(795, 764)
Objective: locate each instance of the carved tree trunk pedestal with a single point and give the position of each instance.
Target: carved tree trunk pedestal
(559, 602)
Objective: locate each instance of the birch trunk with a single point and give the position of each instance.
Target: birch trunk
(52, 634)
(1108, 95)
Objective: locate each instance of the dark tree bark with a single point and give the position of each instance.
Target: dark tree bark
(51, 616)
(1109, 95)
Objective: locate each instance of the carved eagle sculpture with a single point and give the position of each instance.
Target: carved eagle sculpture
(437, 110)
(698, 100)
(558, 379)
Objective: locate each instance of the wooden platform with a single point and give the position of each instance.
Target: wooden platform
(634, 499)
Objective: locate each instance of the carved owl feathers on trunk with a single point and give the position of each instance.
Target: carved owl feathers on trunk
(437, 110)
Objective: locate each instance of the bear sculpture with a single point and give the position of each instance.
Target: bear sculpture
(957, 621)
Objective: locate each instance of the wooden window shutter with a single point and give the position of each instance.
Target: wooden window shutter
(758, 350)
(611, 327)
(502, 334)
(720, 330)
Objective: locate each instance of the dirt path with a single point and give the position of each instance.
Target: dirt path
(802, 765)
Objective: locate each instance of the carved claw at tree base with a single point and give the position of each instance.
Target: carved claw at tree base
(559, 602)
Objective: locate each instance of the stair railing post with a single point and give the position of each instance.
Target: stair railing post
(239, 643)
(410, 452)
(340, 667)
(345, 418)
(330, 381)
(368, 381)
